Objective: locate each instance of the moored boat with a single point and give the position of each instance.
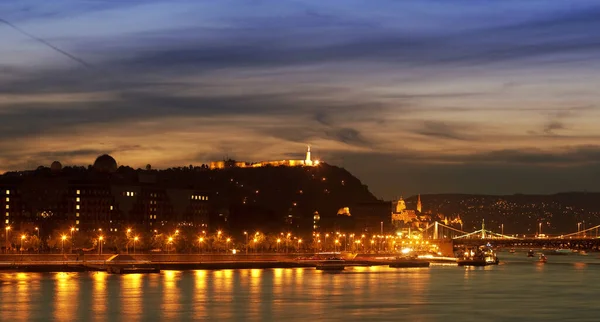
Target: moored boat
(331, 264)
(482, 256)
(408, 263)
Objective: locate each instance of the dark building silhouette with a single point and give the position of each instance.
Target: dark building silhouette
(270, 199)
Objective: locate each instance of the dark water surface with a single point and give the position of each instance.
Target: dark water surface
(564, 289)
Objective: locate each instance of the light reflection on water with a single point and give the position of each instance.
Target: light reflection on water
(563, 289)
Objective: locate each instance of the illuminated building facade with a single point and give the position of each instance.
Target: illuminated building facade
(307, 162)
(88, 200)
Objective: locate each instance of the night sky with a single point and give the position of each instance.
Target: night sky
(410, 96)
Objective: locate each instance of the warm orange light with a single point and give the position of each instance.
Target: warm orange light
(128, 230)
(278, 240)
(299, 241)
(23, 237)
(337, 241)
(170, 239)
(176, 231)
(7, 228)
(255, 240)
(228, 239)
(72, 229)
(200, 239)
(63, 237)
(101, 238)
(136, 238)
(219, 232)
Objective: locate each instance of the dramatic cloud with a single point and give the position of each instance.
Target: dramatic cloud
(412, 96)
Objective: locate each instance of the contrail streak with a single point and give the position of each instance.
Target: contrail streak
(79, 60)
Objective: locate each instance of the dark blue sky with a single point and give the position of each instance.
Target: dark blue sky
(410, 96)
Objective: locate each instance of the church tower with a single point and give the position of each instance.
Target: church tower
(308, 160)
(419, 203)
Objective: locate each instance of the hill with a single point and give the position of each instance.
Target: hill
(520, 214)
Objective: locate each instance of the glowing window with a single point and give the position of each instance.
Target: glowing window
(77, 215)
(111, 207)
(6, 221)
(78, 192)
(7, 199)
(7, 207)
(8, 192)
(76, 222)
(77, 207)
(78, 200)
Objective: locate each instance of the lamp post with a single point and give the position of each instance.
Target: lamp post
(278, 241)
(7, 230)
(255, 240)
(135, 239)
(100, 239)
(299, 242)
(72, 241)
(39, 240)
(246, 233)
(127, 237)
(22, 239)
(169, 245)
(63, 238)
(540, 225)
(227, 244)
(200, 240)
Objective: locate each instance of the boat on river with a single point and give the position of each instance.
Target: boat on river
(482, 256)
(408, 263)
(530, 253)
(331, 264)
(561, 251)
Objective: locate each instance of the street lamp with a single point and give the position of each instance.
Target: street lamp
(200, 240)
(135, 239)
(227, 244)
(63, 238)
(100, 239)
(22, 239)
(246, 233)
(335, 246)
(255, 240)
(278, 241)
(127, 237)
(39, 240)
(299, 242)
(72, 241)
(169, 245)
(6, 235)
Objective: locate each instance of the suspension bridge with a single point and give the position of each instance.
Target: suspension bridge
(584, 239)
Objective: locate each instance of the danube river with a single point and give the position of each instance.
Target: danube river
(564, 289)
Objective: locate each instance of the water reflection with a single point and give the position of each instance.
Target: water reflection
(171, 304)
(131, 296)
(66, 297)
(98, 303)
(525, 289)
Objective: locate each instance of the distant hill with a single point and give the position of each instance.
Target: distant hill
(269, 198)
(520, 213)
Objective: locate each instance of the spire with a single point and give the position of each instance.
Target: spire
(419, 203)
